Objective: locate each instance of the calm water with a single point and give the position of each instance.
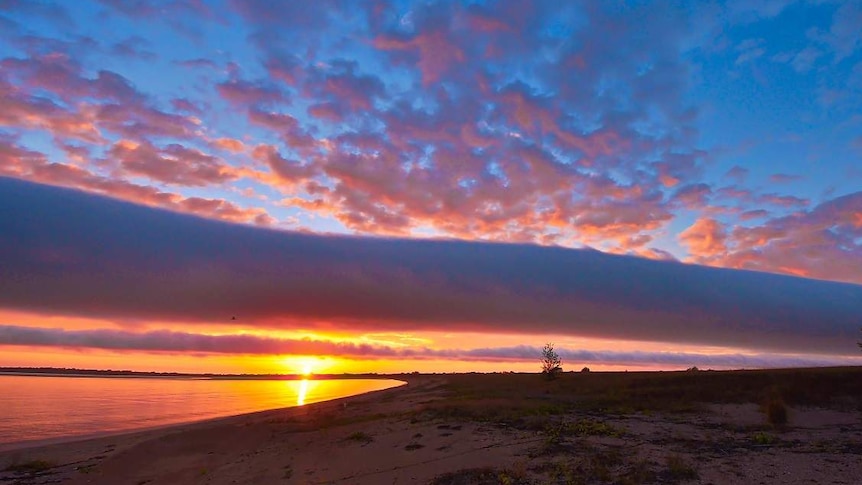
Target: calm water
(37, 408)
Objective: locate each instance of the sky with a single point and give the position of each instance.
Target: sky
(380, 186)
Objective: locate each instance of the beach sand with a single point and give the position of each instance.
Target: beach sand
(419, 434)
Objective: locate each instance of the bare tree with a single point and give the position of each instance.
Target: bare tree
(551, 363)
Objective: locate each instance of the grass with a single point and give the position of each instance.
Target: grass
(481, 476)
(360, 437)
(567, 412)
(679, 470)
(763, 439)
(32, 466)
(516, 399)
(592, 427)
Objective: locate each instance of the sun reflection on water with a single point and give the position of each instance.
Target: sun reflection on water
(303, 390)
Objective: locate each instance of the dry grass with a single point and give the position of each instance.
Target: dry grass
(29, 467)
(514, 398)
(481, 476)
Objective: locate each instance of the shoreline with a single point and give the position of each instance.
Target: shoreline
(467, 429)
(23, 446)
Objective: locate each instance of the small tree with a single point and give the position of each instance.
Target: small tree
(551, 363)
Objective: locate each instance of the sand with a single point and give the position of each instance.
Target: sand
(385, 438)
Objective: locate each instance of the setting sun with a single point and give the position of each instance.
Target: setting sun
(304, 365)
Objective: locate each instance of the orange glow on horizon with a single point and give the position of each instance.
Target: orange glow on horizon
(422, 343)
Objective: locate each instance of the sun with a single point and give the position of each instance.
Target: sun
(304, 366)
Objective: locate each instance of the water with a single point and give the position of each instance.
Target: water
(41, 408)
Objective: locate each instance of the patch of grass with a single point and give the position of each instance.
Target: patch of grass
(513, 411)
(557, 433)
(590, 427)
(414, 446)
(32, 466)
(288, 472)
(480, 476)
(679, 470)
(360, 437)
(761, 438)
(514, 399)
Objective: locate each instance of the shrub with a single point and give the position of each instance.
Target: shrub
(776, 412)
(552, 365)
(585, 369)
(761, 438)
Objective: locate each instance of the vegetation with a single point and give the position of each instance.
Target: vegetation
(776, 412)
(552, 365)
(360, 437)
(32, 466)
(522, 401)
(762, 439)
(481, 476)
(678, 469)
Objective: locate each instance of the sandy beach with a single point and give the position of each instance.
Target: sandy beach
(459, 430)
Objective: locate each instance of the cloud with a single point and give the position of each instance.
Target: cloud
(245, 344)
(520, 122)
(18, 162)
(782, 178)
(173, 164)
(822, 242)
(705, 239)
(73, 253)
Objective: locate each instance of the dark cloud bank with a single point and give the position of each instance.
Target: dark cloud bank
(67, 252)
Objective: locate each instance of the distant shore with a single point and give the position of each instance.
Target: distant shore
(65, 372)
(788, 426)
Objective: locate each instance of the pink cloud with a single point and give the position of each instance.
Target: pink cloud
(245, 93)
(705, 239)
(173, 164)
(436, 53)
(817, 243)
(21, 163)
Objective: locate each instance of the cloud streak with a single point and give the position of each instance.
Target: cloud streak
(183, 342)
(67, 252)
